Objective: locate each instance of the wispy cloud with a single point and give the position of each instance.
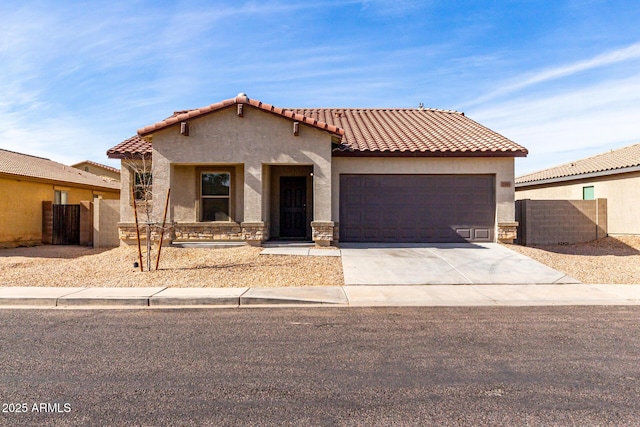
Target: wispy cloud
(579, 121)
(628, 53)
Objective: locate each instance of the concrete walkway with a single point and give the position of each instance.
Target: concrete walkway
(335, 296)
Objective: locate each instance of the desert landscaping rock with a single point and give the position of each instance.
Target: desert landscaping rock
(73, 266)
(613, 260)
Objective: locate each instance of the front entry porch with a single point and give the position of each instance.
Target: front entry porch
(291, 202)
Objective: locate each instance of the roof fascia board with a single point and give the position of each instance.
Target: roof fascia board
(578, 177)
(52, 181)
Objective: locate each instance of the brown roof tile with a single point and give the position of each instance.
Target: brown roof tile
(24, 165)
(613, 160)
(240, 99)
(415, 132)
(133, 147)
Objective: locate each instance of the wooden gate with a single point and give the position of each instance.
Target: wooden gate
(66, 224)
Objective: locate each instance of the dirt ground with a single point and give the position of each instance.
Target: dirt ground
(610, 260)
(179, 267)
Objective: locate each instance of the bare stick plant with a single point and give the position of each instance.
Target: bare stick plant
(143, 202)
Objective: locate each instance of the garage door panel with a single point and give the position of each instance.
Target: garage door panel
(417, 208)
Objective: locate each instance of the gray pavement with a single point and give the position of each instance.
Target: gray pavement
(442, 264)
(339, 296)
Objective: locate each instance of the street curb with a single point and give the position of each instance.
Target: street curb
(330, 296)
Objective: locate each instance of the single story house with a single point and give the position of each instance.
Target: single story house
(614, 175)
(241, 169)
(27, 182)
(98, 169)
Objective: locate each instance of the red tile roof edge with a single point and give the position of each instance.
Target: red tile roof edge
(240, 99)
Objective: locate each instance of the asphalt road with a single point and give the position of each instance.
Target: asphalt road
(399, 366)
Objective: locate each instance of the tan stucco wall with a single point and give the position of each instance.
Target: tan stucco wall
(21, 207)
(502, 167)
(251, 142)
(185, 186)
(106, 216)
(621, 191)
(96, 170)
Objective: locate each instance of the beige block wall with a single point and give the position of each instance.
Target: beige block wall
(621, 191)
(106, 215)
(552, 222)
(254, 141)
(502, 167)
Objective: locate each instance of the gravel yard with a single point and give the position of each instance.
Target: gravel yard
(179, 267)
(613, 260)
(609, 260)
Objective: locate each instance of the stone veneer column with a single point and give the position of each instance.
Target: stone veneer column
(507, 231)
(254, 233)
(322, 232)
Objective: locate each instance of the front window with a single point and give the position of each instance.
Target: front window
(142, 186)
(215, 195)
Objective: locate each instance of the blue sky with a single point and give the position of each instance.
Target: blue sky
(561, 78)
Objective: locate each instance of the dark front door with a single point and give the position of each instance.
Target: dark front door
(293, 206)
(66, 224)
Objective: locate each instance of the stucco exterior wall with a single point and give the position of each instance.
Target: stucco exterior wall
(250, 142)
(621, 191)
(21, 207)
(502, 167)
(96, 170)
(106, 215)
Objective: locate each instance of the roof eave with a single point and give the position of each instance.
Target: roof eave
(30, 178)
(577, 177)
(363, 153)
(280, 112)
(128, 156)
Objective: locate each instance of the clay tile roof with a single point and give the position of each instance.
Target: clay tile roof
(367, 131)
(96, 164)
(240, 99)
(415, 131)
(130, 148)
(614, 160)
(24, 165)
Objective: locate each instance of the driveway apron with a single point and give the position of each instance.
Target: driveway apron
(442, 264)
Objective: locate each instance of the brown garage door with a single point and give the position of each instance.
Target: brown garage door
(417, 208)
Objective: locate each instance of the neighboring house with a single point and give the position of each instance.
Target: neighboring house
(244, 170)
(28, 181)
(98, 169)
(614, 175)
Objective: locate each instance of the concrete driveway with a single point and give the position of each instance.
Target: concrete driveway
(442, 264)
